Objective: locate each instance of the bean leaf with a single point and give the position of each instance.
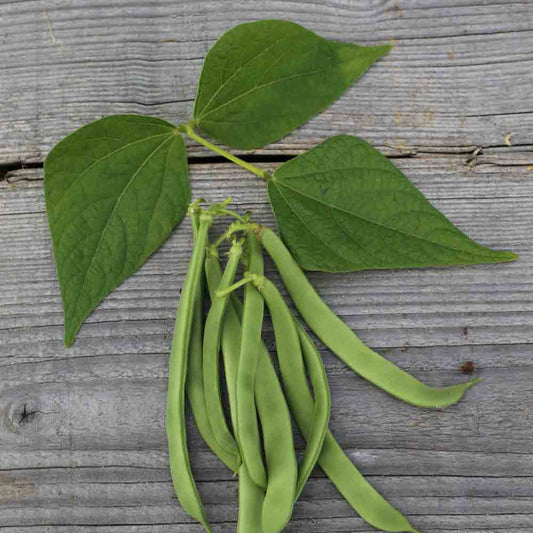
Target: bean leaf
(344, 206)
(261, 80)
(114, 190)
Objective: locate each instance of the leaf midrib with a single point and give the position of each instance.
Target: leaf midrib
(262, 86)
(305, 223)
(356, 215)
(97, 249)
(215, 94)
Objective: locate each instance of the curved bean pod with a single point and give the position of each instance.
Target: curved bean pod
(282, 465)
(211, 349)
(195, 390)
(275, 422)
(252, 324)
(318, 428)
(343, 341)
(195, 385)
(180, 467)
(364, 499)
(251, 496)
(303, 405)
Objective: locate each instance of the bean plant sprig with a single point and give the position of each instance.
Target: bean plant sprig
(117, 187)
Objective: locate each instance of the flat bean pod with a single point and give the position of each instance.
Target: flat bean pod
(291, 363)
(211, 349)
(343, 341)
(275, 422)
(180, 467)
(318, 428)
(280, 456)
(251, 496)
(195, 383)
(364, 499)
(252, 323)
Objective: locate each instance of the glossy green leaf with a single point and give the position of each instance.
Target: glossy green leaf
(261, 80)
(344, 206)
(114, 190)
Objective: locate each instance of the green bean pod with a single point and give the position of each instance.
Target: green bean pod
(343, 341)
(303, 405)
(195, 383)
(316, 433)
(280, 456)
(251, 498)
(180, 467)
(252, 322)
(364, 499)
(275, 422)
(211, 349)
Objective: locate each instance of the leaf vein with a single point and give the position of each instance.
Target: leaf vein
(406, 234)
(317, 236)
(143, 164)
(206, 107)
(103, 159)
(262, 86)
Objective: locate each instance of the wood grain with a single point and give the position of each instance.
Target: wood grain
(82, 432)
(459, 76)
(82, 444)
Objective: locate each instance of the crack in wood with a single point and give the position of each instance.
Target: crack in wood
(402, 152)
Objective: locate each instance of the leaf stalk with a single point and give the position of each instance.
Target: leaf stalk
(189, 131)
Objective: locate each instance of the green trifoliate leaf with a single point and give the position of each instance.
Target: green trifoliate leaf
(344, 206)
(261, 80)
(114, 190)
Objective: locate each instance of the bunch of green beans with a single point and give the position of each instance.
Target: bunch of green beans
(257, 443)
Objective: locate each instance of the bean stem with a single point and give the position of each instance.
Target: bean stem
(189, 131)
(225, 291)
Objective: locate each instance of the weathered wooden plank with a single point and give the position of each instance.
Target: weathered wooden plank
(147, 503)
(82, 446)
(81, 430)
(336, 525)
(470, 524)
(151, 494)
(427, 523)
(459, 75)
(54, 466)
(419, 307)
(128, 413)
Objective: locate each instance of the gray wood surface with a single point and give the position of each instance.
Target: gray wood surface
(82, 443)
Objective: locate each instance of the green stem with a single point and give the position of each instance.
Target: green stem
(231, 288)
(189, 130)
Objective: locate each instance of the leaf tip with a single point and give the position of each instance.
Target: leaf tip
(383, 49)
(506, 256)
(69, 333)
(474, 382)
(68, 341)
